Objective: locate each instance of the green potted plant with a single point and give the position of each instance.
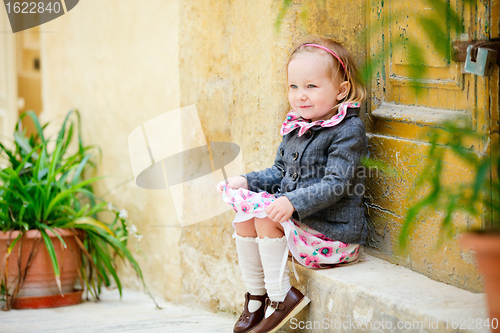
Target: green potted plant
(50, 219)
(478, 197)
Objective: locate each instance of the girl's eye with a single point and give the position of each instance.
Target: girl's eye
(311, 86)
(293, 86)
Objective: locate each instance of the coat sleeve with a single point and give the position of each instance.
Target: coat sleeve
(344, 155)
(269, 179)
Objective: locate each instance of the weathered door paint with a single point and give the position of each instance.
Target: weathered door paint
(404, 106)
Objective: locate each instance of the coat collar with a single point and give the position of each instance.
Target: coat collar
(351, 112)
(293, 120)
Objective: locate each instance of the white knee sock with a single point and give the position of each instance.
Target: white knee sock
(251, 268)
(272, 251)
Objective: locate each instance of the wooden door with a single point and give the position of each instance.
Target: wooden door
(29, 79)
(407, 100)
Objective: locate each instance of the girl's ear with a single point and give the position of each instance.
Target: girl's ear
(344, 89)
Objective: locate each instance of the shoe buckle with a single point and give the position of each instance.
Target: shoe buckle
(277, 305)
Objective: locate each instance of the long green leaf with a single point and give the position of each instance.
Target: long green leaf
(24, 144)
(90, 222)
(106, 260)
(53, 257)
(11, 246)
(79, 170)
(41, 225)
(12, 159)
(66, 193)
(36, 122)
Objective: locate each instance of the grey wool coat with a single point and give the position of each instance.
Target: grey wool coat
(321, 175)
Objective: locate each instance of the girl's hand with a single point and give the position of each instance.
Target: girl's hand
(280, 209)
(234, 182)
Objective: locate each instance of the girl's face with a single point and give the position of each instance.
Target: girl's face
(311, 91)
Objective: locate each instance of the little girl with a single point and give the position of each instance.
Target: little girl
(310, 202)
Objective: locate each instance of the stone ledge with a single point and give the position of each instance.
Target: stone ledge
(380, 292)
(416, 114)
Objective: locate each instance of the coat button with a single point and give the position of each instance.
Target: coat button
(282, 151)
(295, 156)
(308, 134)
(283, 173)
(294, 176)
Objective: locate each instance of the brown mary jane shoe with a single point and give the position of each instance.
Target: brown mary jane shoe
(294, 302)
(249, 320)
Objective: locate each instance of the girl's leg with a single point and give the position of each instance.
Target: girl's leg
(272, 248)
(246, 229)
(268, 228)
(253, 275)
(284, 302)
(249, 260)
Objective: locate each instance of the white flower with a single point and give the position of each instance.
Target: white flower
(139, 237)
(132, 229)
(123, 213)
(110, 206)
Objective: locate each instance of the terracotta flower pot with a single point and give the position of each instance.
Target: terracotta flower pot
(487, 248)
(40, 280)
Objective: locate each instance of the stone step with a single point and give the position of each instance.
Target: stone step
(382, 296)
(369, 296)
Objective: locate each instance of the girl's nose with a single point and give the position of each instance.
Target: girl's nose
(302, 96)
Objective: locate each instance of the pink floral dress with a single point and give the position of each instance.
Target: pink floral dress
(308, 246)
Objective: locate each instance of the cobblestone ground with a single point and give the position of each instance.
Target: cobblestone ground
(136, 312)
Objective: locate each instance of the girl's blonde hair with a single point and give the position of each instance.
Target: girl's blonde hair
(357, 92)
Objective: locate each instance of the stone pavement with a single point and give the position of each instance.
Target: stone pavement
(136, 312)
(373, 292)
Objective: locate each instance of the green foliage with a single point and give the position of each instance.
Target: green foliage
(281, 14)
(440, 26)
(43, 187)
(376, 165)
(468, 197)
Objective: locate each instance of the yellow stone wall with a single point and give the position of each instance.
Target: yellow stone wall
(232, 67)
(117, 61)
(124, 62)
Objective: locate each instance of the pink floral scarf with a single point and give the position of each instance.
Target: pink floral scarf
(293, 120)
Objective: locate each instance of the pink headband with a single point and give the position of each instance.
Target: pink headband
(329, 51)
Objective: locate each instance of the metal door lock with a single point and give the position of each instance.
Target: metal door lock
(479, 56)
(483, 63)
